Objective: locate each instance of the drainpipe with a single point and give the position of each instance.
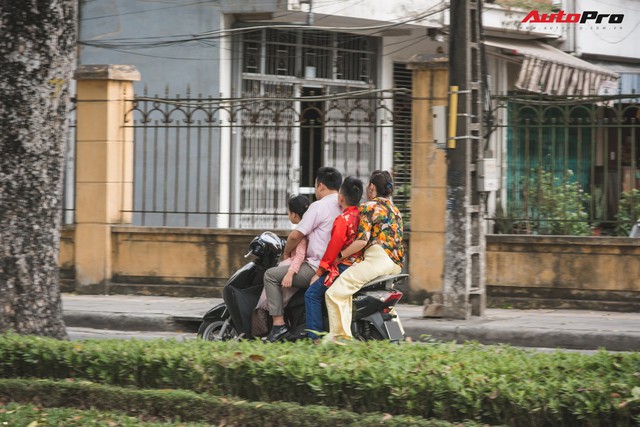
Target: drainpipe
(310, 14)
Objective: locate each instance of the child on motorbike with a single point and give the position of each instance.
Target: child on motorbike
(297, 206)
(343, 233)
(380, 236)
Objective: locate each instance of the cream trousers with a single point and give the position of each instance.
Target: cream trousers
(376, 263)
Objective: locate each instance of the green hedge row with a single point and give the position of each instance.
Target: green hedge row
(25, 415)
(173, 405)
(495, 385)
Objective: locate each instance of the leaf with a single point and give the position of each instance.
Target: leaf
(323, 365)
(494, 395)
(256, 358)
(33, 424)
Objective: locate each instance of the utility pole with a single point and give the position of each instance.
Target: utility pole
(464, 271)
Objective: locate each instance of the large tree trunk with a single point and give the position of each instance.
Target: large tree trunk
(37, 59)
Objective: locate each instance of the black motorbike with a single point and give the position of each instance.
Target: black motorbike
(373, 314)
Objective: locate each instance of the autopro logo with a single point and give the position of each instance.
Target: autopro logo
(561, 17)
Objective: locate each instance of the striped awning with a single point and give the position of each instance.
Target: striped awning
(551, 71)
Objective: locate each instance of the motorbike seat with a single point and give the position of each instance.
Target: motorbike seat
(384, 282)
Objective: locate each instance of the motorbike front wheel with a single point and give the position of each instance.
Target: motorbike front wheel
(210, 330)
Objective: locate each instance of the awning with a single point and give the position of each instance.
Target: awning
(629, 75)
(551, 71)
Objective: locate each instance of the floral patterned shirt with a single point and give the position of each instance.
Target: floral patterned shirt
(381, 224)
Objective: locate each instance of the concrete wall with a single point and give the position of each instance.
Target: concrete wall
(607, 40)
(564, 272)
(176, 261)
(532, 271)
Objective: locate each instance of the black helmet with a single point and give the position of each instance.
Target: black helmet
(267, 245)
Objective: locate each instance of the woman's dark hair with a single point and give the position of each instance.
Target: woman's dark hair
(383, 182)
(352, 189)
(330, 177)
(298, 204)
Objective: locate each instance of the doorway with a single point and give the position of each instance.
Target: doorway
(311, 144)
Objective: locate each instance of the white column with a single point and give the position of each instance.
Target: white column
(224, 70)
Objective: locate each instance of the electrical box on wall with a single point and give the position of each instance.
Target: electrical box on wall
(487, 174)
(439, 114)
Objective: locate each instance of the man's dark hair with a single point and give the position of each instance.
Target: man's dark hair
(330, 177)
(298, 204)
(352, 189)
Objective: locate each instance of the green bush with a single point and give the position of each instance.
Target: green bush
(559, 204)
(174, 405)
(22, 415)
(496, 385)
(628, 212)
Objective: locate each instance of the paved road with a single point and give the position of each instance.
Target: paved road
(573, 329)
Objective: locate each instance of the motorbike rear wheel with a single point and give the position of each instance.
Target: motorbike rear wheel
(368, 332)
(209, 330)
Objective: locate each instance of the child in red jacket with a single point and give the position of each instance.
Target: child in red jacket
(343, 233)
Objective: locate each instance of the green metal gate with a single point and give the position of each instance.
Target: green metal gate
(569, 166)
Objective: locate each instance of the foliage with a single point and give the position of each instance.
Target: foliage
(529, 5)
(495, 385)
(28, 415)
(628, 211)
(180, 405)
(558, 204)
(506, 222)
(402, 192)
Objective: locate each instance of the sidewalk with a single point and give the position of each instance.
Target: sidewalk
(571, 329)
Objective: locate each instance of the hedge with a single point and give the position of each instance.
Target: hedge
(490, 384)
(173, 405)
(25, 415)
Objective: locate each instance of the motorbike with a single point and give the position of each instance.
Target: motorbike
(374, 317)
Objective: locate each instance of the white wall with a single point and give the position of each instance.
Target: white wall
(610, 40)
(373, 10)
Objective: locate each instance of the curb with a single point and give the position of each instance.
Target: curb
(526, 337)
(120, 321)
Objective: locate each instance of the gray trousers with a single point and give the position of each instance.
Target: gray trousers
(273, 285)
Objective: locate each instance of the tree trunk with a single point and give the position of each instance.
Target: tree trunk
(37, 59)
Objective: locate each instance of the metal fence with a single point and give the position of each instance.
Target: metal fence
(569, 166)
(275, 143)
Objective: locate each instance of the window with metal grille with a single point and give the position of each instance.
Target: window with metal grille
(402, 79)
(309, 54)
